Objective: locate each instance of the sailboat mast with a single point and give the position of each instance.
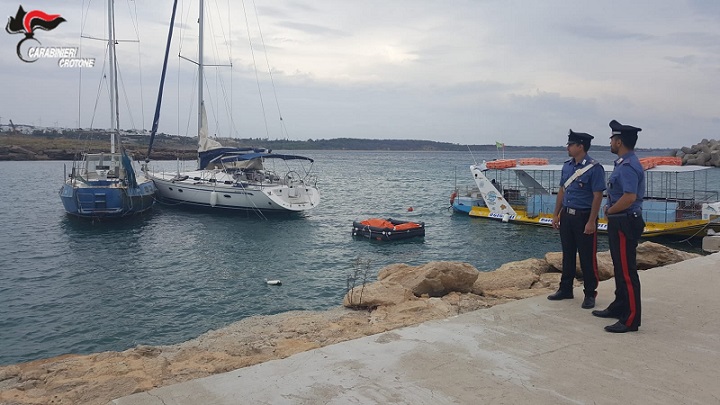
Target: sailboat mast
(200, 65)
(114, 115)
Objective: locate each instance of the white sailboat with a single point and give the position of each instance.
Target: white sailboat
(106, 185)
(237, 178)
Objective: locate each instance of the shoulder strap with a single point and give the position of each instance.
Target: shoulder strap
(578, 174)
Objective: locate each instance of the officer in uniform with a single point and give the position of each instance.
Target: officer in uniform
(626, 189)
(582, 183)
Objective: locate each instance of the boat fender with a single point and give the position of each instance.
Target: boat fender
(273, 282)
(213, 198)
(452, 197)
(506, 218)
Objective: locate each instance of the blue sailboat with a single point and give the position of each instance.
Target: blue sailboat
(106, 185)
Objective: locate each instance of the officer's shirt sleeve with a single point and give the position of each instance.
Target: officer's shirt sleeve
(629, 179)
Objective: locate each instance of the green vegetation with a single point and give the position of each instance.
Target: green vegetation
(66, 144)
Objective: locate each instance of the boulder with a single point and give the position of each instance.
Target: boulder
(514, 275)
(702, 153)
(714, 158)
(651, 254)
(377, 294)
(434, 279)
(604, 264)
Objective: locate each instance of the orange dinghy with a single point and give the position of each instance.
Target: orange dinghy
(388, 229)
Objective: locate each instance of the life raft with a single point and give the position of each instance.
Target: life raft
(501, 164)
(653, 161)
(388, 229)
(533, 162)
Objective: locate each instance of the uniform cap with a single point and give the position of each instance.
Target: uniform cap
(623, 130)
(579, 137)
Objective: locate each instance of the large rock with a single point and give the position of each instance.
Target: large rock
(434, 279)
(649, 255)
(604, 264)
(520, 275)
(377, 294)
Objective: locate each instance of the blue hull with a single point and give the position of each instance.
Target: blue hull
(465, 204)
(102, 201)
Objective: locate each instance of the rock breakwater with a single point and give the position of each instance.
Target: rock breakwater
(705, 153)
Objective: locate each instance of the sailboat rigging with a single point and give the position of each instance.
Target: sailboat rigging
(106, 185)
(233, 178)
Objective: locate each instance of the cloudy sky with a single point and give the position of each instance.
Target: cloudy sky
(467, 72)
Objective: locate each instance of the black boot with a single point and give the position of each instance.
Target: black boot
(560, 295)
(588, 302)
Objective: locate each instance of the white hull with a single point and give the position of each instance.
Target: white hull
(222, 190)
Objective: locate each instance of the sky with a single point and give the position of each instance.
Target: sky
(461, 71)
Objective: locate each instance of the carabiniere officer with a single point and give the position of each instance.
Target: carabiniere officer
(626, 189)
(582, 183)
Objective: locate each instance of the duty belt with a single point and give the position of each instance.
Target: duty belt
(573, 211)
(631, 214)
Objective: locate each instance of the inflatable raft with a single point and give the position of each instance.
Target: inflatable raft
(388, 229)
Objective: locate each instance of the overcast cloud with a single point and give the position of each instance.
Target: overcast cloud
(467, 72)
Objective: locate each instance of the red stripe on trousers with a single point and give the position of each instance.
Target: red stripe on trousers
(595, 266)
(626, 276)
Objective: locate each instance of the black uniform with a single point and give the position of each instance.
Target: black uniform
(624, 231)
(577, 203)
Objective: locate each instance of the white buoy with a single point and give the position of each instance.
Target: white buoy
(506, 218)
(273, 282)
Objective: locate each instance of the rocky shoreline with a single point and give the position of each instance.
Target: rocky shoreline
(403, 296)
(19, 153)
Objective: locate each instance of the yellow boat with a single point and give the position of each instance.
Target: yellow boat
(674, 202)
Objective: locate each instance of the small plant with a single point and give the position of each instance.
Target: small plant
(361, 268)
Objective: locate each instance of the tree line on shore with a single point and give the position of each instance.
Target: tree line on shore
(68, 144)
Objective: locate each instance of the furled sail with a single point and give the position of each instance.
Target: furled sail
(205, 143)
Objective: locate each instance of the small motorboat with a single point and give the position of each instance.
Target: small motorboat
(388, 229)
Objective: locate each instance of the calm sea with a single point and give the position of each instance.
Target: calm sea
(70, 286)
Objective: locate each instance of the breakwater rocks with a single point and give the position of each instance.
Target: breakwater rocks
(705, 153)
(402, 296)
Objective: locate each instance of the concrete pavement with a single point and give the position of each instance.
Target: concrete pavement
(528, 351)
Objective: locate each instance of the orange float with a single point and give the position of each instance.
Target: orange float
(501, 164)
(653, 161)
(533, 161)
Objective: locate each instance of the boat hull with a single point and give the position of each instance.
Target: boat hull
(222, 192)
(652, 229)
(106, 201)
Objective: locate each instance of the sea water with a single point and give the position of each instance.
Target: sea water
(75, 286)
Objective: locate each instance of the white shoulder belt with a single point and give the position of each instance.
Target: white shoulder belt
(578, 174)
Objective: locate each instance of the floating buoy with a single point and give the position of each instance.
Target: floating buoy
(273, 282)
(410, 209)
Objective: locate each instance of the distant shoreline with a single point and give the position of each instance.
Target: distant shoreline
(66, 146)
